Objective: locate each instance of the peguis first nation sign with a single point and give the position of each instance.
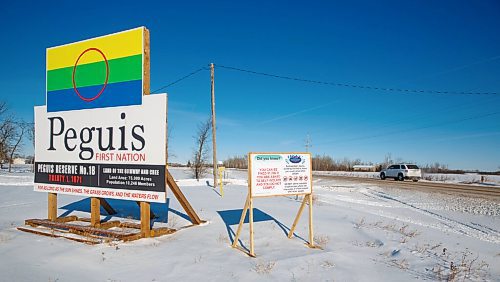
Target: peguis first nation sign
(98, 135)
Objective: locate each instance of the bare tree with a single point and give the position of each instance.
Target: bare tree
(21, 128)
(3, 108)
(30, 132)
(12, 133)
(3, 126)
(170, 153)
(201, 151)
(8, 133)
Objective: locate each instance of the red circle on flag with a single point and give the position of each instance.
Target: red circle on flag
(105, 82)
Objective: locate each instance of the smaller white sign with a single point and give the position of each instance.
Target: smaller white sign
(278, 174)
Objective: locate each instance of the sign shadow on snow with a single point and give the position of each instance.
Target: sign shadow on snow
(232, 217)
(126, 209)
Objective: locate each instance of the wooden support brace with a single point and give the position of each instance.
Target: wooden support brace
(52, 207)
(299, 213)
(107, 207)
(145, 220)
(242, 219)
(182, 199)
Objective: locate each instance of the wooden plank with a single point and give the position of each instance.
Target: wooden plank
(150, 211)
(80, 229)
(242, 219)
(182, 199)
(99, 234)
(107, 207)
(130, 225)
(146, 82)
(156, 232)
(95, 212)
(311, 235)
(132, 237)
(110, 224)
(299, 213)
(252, 253)
(67, 218)
(243, 250)
(145, 220)
(52, 206)
(51, 234)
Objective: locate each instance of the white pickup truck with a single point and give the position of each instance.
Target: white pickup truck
(401, 172)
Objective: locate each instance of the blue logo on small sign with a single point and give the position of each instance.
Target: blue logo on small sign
(294, 159)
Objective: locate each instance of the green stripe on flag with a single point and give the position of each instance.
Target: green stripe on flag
(120, 70)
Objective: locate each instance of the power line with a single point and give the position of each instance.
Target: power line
(180, 79)
(358, 86)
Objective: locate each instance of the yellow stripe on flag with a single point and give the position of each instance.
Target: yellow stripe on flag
(118, 45)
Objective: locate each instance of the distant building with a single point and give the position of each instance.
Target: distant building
(18, 161)
(364, 168)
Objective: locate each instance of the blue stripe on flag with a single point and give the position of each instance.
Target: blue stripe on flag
(116, 94)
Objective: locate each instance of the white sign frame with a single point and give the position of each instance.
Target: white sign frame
(64, 168)
(279, 174)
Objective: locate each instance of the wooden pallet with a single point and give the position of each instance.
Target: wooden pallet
(80, 230)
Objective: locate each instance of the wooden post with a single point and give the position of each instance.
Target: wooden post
(252, 253)
(311, 235)
(221, 184)
(242, 220)
(166, 148)
(52, 207)
(145, 220)
(95, 212)
(146, 82)
(214, 143)
(145, 206)
(299, 213)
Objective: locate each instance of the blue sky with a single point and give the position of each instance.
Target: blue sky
(429, 45)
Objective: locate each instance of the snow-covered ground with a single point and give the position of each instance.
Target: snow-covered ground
(367, 232)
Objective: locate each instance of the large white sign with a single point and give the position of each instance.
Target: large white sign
(275, 174)
(116, 152)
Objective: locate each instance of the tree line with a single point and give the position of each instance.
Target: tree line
(327, 163)
(319, 163)
(200, 164)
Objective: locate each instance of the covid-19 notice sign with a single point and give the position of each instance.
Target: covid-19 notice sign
(275, 174)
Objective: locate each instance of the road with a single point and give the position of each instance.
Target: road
(490, 192)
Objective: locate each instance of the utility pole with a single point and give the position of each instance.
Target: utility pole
(214, 144)
(308, 143)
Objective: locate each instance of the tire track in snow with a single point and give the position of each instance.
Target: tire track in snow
(481, 232)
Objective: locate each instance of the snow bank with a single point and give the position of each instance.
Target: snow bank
(367, 233)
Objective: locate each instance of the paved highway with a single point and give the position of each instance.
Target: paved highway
(490, 192)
